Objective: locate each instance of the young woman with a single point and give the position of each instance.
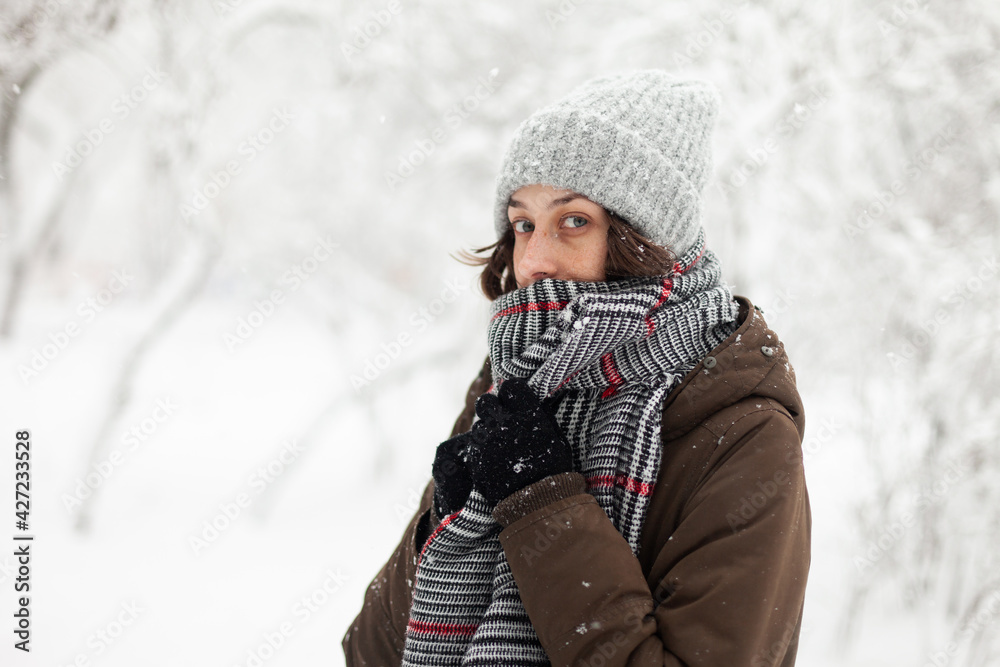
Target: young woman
(625, 484)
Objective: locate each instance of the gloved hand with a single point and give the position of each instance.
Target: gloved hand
(516, 441)
(452, 483)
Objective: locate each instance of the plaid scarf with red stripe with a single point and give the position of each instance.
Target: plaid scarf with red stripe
(617, 348)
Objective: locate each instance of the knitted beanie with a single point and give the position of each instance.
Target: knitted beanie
(638, 144)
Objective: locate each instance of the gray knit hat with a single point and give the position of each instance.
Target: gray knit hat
(639, 144)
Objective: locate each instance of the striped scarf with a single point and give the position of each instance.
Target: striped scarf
(617, 348)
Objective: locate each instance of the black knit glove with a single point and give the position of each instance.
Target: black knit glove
(516, 441)
(452, 483)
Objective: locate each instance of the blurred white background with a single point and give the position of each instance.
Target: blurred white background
(215, 213)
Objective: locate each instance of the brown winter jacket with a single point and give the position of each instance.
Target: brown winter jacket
(721, 570)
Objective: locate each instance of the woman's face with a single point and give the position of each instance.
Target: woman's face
(557, 234)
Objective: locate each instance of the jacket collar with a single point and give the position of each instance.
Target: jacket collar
(752, 361)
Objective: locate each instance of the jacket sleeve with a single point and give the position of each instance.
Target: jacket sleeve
(725, 588)
(377, 635)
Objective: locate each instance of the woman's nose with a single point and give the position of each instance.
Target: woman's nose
(540, 259)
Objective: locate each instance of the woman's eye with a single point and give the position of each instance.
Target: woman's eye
(576, 221)
(523, 226)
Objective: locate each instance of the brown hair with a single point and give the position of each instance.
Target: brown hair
(630, 254)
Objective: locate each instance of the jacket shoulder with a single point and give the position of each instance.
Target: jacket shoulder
(748, 441)
(737, 415)
(751, 362)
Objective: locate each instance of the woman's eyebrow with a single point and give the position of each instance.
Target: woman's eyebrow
(513, 203)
